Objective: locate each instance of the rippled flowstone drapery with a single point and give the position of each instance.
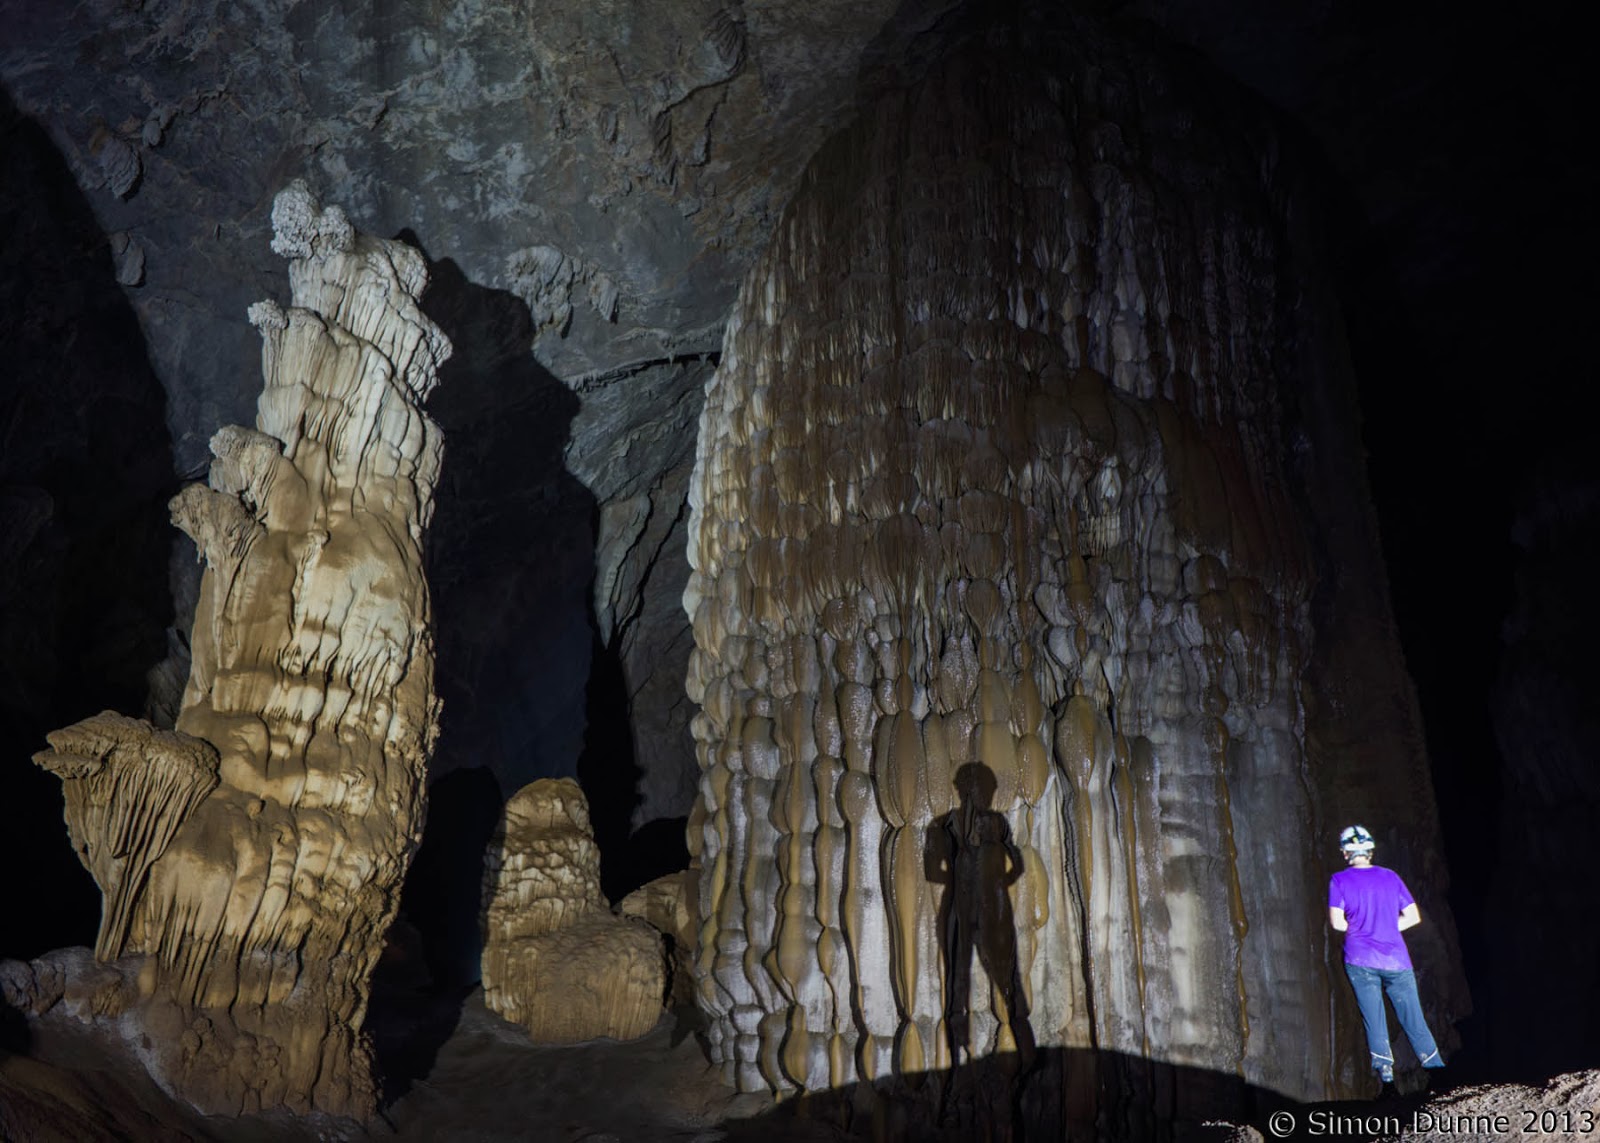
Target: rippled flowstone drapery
(252, 859)
(1002, 598)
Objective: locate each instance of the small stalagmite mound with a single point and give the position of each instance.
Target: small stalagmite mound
(556, 960)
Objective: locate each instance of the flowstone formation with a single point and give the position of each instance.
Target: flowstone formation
(128, 788)
(1002, 600)
(556, 960)
(251, 860)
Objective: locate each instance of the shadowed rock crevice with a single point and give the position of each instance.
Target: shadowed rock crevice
(510, 557)
(511, 551)
(85, 473)
(607, 769)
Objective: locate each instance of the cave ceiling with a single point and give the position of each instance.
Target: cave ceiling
(590, 180)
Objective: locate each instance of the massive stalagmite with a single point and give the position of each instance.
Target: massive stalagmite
(251, 861)
(1002, 602)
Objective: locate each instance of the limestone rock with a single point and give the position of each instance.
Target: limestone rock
(599, 977)
(664, 904)
(33, 987)
(650, 145)
(555, 958)
(667, 905)
(254, 855)
(1001, 603)
(128, 787)
(1567, 1104)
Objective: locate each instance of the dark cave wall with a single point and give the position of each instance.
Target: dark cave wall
(1486, 465)
(1445, 138)
(1545, 988)
(85, 472)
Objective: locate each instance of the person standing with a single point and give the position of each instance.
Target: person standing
(1371, 906)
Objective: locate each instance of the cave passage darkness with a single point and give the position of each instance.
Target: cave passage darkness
(86, 468)
(1461, 292)
(1468, 289)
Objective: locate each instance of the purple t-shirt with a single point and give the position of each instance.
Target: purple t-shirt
(1371, 898)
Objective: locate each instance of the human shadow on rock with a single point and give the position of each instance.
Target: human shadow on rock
(971, 853)
(86, 469)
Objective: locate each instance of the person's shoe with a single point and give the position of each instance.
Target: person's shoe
(1386, 1073)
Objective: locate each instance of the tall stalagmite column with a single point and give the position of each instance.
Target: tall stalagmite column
(254, 858)
(1002, 602)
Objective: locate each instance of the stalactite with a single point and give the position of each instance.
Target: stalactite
(309, 706)
(994, 451)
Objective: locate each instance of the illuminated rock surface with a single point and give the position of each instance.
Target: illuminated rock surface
(1000, 469)
(668, 905)
(551, 156)
(556, 960)
(129, 788)
(251, 860)
(499, 136)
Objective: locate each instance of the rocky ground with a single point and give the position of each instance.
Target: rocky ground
(484, 1082)
(1566, 1107)
(458, 1072)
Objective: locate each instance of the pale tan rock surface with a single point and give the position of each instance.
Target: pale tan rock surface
(996, 470)
(556, 960)
(665, 904)
(1563, 1107)
(128, 788)
(486, 1082)
(254, 857)
(668, 905)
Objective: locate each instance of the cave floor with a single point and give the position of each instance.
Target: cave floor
(488, 1082)
(463, 1074)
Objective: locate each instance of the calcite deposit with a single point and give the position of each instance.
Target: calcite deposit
(556, 960)
(128, 789)
(668, 905)
(251, 860)
(996, 478)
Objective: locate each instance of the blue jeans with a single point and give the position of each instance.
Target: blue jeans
(1401, 985)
